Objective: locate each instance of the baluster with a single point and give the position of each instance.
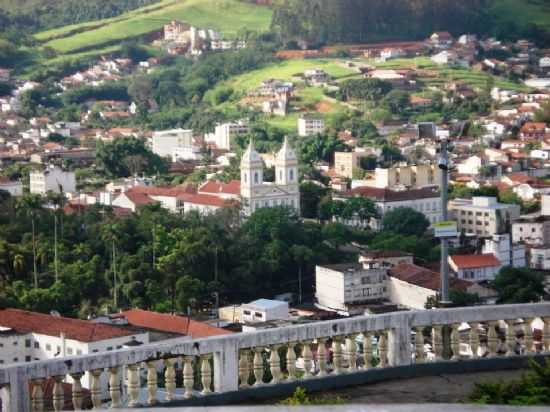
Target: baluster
(546, 335)
(492, 339)
(322, 357)
(275, 364)
(188, 377)
(308, 359)
(383, 350)
(474, 339)
(77, 391)
(38, 395)
(351, 353)
(170, 379)
(258, 365)
(133, 385)
(437, 342)
(206, 375)
(152, 382)
(244, 369)
(337, 355)
(455, 342)
(528, 331)
(419, 345)
(95, 388)
(58, 396)
(114, 388)
(291, 362)
(367, 350)
(510, 338)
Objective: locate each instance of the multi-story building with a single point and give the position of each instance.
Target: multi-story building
(264, 310)
(426, 201)
(532, 230)
(174, 30)
(257, 194)
(416, 176)
(539, 257)
(507, 252)
(309, 125)
(169, 142)
(341, 287)
(52, 179)
(483, 216)
(346, 162)
(475, 268)
(225, 132)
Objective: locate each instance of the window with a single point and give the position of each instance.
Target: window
(1, 361)
(16, 359)
(109, 348)
(119, 347)
(36, 345)
(59, 349)
(69, 351)
(365, 280)
(1, 345)
(48, 347)
(281, 175)
(27, 343)
(258, 314)
(291, 175)
(27, 358)
(79, 352)
(246, 312)
(15, 343)
(95, 351)
(244, 177)
(256, 178)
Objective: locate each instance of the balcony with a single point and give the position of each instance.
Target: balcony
(271, 363)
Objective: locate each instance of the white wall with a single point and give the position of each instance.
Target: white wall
(408, 295)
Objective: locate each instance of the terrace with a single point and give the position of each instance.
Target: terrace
(263, 365)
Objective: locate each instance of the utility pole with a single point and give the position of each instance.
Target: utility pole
(444, 166)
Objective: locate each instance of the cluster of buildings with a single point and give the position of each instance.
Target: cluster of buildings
(181, 38)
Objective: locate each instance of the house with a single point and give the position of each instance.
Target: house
(507, 252)
(470, 166)
(539, 257)
(13, 187)
(483, 216)
(348, 287)
(52, 179)
(169, 323)
(411, 286)
(445, 57)
(165, 142)
(316, 77)
(414, 176)
(533, 131)
(544, 62)
(309, 125)
(419, 102)
(426, 201)
(475, 268)
(264, 310)
(441, 39)
(346, 162)
(532, 230)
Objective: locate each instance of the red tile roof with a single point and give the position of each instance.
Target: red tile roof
(475, 261)
(171, 191)
(213, 187)
(171, 323)
(138, 199)
(533, 127)
(81, 330)
(207, 200)
(425, 278)
(387, 195)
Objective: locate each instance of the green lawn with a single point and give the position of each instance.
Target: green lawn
(227, 16)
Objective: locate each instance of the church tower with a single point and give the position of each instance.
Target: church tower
(286, 174)
(252, 172)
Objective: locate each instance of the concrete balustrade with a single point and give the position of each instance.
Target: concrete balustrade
(243, 362)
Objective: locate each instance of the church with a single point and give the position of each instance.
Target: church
(285, 191)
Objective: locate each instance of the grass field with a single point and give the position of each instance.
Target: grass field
(226, 16)
(522, 12)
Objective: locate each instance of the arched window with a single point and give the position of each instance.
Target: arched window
(245, 178)
(291, 175)
(256, 178)
(281, 175)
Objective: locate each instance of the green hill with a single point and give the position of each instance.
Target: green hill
(226, 16)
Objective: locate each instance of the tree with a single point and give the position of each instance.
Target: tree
(518, 285)
(397, 101)
(30, 205)
(405, 221)
(141, 89)
(310, 198)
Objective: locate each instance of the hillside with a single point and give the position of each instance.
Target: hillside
(226, 16)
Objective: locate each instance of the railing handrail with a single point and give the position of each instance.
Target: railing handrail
(295, 333)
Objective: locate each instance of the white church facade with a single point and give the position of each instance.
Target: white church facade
(257, 194)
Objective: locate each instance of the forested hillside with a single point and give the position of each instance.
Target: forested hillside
(39, 14)
(329, 21)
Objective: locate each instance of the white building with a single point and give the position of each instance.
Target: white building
(508, 253)
(52, 179)
(29, 336)
(475, 268)
(309, 125)
(544, 62)
(483, 216)
(224, 133)
(340, 287)
(539, 257)
(426, 201)
(264, 310)
(166, 142)
(470, 166)
(533, 230)
(13, 187)
(257, 194)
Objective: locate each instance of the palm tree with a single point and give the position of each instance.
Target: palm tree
(18, 263)
(58, 201)
(110, 234)
(30, 205)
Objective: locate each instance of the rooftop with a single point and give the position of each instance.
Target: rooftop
(24, 321)
(475, 261)
(426, 278)
(267, 303)
(387, 195)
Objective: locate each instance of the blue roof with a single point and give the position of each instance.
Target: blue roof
(267, 303)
